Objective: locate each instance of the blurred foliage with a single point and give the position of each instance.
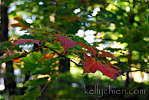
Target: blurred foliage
(121, 24)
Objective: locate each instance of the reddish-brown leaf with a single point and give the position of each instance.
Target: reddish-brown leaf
(112, 65)
(66, 42)
(91, 66)
(17, 60)
(17, 18)
(47, 56)
(106, 54)
(83, 1)
(9, 52)
(82, 44)
(107, 70)
(71, 19)
(90, 49)
(21, 41)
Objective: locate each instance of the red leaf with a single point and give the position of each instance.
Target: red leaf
(82, 1)
(114, 66)
(21, 41)
(66, 42)
(107, 70)
(90, 49)
(9, 52)
(82, 44)
(91, 66)
(47, 56)
(17, 60)
(106, 54)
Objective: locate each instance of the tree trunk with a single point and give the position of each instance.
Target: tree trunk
(4, 23)
(128, 74)
(64, 65)
(9, 79)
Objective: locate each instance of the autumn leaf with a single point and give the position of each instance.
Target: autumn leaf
(66, 42)
(90, 49)
(17, 18)
(47, 56)
(82, 44)
(9, 52)
(107, 70)
(21, 41)
(15, 25)
(112, 65)
(71, 19)
(91, 66)
(83, 1)
(17, 60)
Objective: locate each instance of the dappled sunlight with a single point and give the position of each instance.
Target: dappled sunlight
(44, 76)
(77, 10)
(118, 45)
(76, 71)
(95, 11)
(2, 86)
(139, 76)
(63, 49)
(80, 33)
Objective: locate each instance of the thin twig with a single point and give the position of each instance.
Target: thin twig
(62, 56)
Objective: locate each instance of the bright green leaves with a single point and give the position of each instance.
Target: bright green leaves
(36, 64)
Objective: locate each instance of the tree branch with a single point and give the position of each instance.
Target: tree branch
(9, 58)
